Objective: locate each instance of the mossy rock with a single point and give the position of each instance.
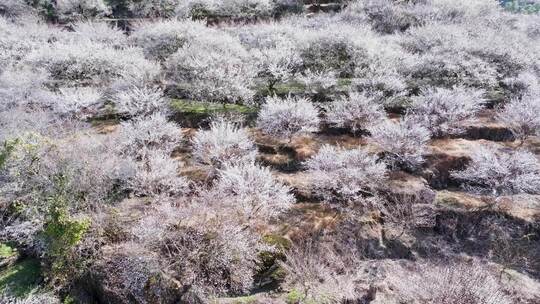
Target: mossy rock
(281, 244)
(270, 272)
(279, 241)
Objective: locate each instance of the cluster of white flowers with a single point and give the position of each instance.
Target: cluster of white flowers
(499, 173)
(213, 68)
(149, 133)
(287, 117)
(355, 112)
(87, 61)
(140, 101)
(444, 111)
(521, 116)
(346, 173)
(252, 189)
(162, 38)
(404, 140)
(224, 142)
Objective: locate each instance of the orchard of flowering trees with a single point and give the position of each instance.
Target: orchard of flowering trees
(269, 151)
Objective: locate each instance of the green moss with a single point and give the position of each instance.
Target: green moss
(198, 107)
(278, 275)
(269, 267)
(269, 258)
(289, 88)
(104, 121)
(62, 230)
(278, 241)
(294, 297)
(344, 82)
(244, 300)
(21, 278)
(7, 251)
(69, 300)
(191, 113)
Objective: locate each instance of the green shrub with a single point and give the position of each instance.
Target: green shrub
(7, 150)
(294, 297)
(6, 251)
(62, 233)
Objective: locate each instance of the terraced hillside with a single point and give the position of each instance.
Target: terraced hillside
(269, 151)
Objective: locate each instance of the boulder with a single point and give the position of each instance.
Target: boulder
(404, 185)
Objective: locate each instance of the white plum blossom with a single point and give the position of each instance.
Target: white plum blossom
(287, 117)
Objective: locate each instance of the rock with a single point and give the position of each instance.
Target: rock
(459, 199)
(404, 185)
(525, 207)
(522, 206)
